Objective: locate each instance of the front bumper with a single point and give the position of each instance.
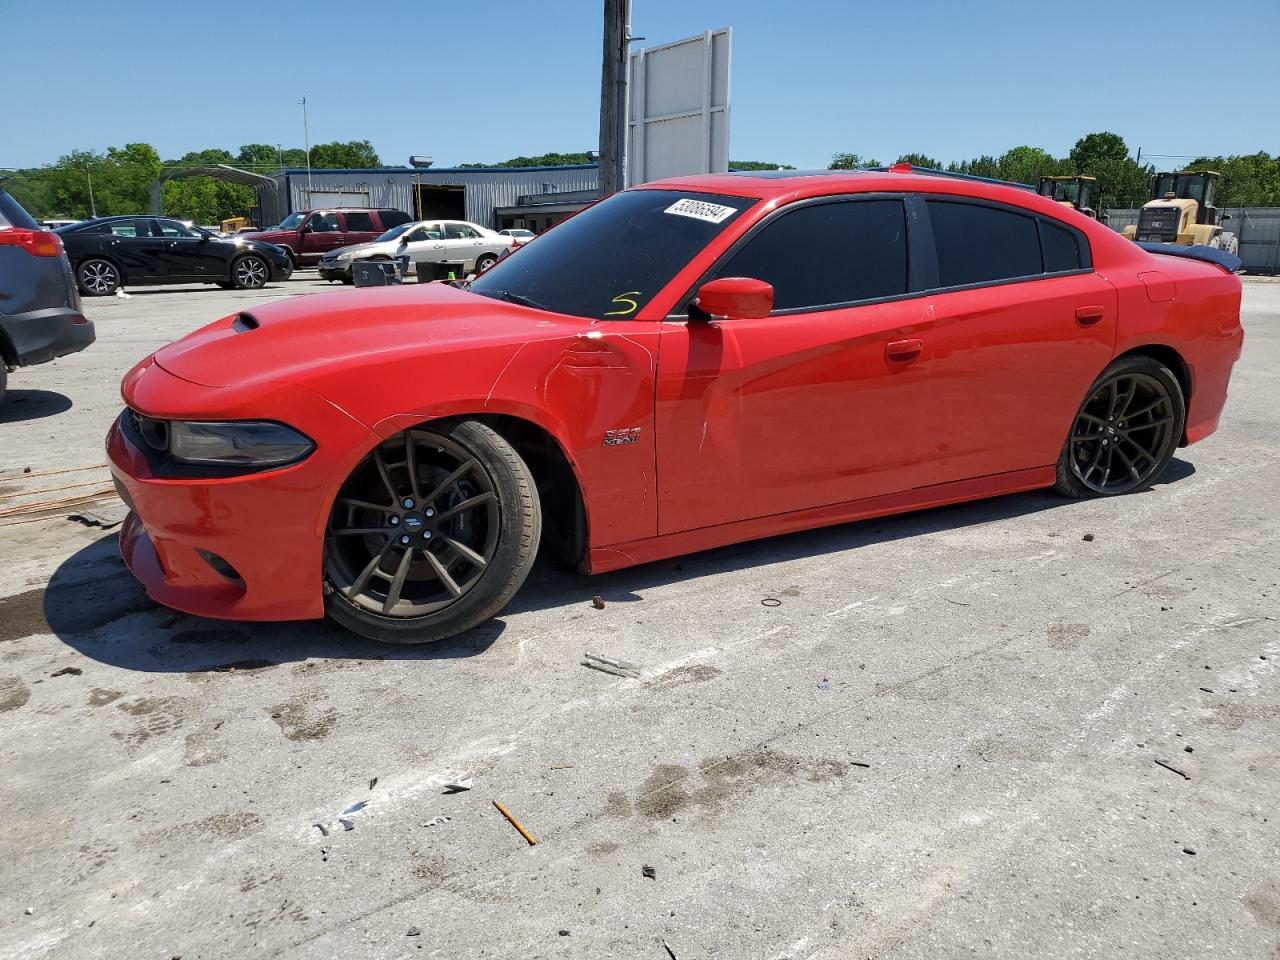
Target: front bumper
(282, 270)
(241, 547)
(42, 335)
(335, 270)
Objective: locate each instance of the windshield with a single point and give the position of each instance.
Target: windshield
(612, 258)
(291, 222)
(395, 231)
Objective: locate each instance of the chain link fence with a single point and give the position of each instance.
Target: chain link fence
(1258, 229)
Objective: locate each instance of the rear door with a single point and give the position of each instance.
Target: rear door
(822, 402)
(1022, 327)
(359, 227)
(132, 244)
(463, 242)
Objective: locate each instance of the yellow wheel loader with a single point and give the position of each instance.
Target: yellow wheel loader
(1181, 211)
(1080, 193)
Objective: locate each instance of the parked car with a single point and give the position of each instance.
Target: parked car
(108, 253)
(40, 318)
(686, 364)
(519, 235)
(311, 234)
(426, 241)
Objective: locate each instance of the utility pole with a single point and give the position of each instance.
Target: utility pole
(613, 95)
(280, 155)
(306, 140)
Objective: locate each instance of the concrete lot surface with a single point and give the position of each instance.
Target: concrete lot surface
(967, 732)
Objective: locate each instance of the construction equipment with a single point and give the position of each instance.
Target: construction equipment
(1181, 211)
(236, 224)
(1079, 193)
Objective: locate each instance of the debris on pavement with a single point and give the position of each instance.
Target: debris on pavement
(1189, 851)
(856, 763)
(413, 932)
(598, 602)
(1171, 767)
(28, 911)
(563, 933)
(347, 824)
(771, 602)
(373, 783)
(515, 823)
(1087, 538)
(67, 672)
(670, 953)
(648, 872)
(436, 821)
(619, 668)
(457, 786)
(358, 806)
(324, 831)
(824, 684)
(958, 603)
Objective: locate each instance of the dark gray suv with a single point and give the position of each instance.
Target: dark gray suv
(40, 316)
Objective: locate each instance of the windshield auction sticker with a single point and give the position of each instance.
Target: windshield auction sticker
(701, 210)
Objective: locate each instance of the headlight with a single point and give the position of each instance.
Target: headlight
(345, 255)
(245, 443)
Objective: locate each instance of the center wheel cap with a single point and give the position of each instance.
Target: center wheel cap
(413, 522)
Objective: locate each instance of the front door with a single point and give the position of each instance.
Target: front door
(321, 233)
(425, 243)
(822, 402)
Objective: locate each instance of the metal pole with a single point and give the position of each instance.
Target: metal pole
(306, 140)
(280, 156)
(613, 94)
(93, 209)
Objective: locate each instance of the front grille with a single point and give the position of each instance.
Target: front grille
(1159, 224)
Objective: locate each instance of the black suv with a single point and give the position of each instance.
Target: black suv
(40, 316)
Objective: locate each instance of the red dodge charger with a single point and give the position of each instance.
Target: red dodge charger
(686, 364)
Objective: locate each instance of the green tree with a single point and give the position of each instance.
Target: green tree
(541, 160)
(353, 153)
(758, 165)
(1251, 180)
(1097, 148)
(919, 160)
(850, 161)
(1029, 164)
(983, 166)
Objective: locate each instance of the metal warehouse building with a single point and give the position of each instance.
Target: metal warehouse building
(496, 197)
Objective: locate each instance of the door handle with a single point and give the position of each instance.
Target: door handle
(1088, 316)
(904, 350)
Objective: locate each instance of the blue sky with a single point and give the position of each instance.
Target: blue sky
(811, 77)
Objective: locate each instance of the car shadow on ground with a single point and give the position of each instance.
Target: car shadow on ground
(19, 405)
(93, 604)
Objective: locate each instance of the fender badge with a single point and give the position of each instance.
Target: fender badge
(616, 438)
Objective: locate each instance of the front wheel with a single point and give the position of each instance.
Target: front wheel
(250, 272)
(1125, 432)
(432, 534)
(98, 278)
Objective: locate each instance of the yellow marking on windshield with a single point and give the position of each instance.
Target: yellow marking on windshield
(624, 298)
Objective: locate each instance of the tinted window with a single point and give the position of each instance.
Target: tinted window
(1061, 250)
(459, 231)
(129, 228)
(359, 221)
(172, 228)
(828, 253)
(978, 244)
(324, 223)
(612, 258)
(393, 218)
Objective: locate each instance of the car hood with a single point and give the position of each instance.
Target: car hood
(291, 341)
(251, 243)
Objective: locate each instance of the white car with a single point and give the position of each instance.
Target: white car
(520, 236)
(477, 248)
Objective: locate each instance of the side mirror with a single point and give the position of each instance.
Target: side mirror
(737, 298)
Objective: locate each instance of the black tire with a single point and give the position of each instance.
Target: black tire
(485, 261)
(226, 284)
(491, 512)
(1125, 432)
(97, 277)
(4, 377)
(249, 272)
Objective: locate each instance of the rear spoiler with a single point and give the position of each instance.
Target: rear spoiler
(1198, 251)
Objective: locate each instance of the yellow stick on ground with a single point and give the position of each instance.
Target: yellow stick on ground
(515, 823)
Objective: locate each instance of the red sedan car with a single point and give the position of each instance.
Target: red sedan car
(684, 365)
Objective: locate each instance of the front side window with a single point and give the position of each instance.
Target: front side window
(357, 220)
(979, 244)
(612, 258)
(324, 223)
(828, 253)
(172, 228)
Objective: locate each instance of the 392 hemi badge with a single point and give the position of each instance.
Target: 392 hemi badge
(616, 438)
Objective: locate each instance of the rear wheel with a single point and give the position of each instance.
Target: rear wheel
(485, 261)
(249, 272)
(432, 534)
(1125, 432)
(98, 278)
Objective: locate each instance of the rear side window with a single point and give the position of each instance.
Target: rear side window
(393, 218)
(978, 244)
(459, 231)
(1061, 249)
(828, 253)
(359, 221)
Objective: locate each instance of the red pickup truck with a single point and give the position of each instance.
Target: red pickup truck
(309, 234)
